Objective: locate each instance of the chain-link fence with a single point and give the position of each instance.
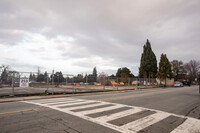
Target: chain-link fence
(61, 83)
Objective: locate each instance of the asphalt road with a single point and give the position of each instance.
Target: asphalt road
(156, 110)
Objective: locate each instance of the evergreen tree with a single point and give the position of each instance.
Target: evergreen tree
(31, 77)
(58, 77)
(40, 78)
(112, 76)
(124, 73)
(119, 72)
(4, 75)
(94, 74)
(164, 68)
(34, 77)
(94, 71)
(148, 63)
(45, 76)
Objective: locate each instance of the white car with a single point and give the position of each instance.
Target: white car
(178, 84)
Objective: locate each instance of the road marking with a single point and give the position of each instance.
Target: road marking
(78, 104)
(82, 107)
(59, 101)
(64, 102)
(132, 117)
(166, 125)
(101, 109)
(108, 112)
(130, 126)
(189, 126)
(118, 115)
(18, 111)
(145, 121)
(50, 100)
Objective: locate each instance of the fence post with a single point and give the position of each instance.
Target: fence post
(104, 83)
(66, 80)
(86, 81)
(47, 84)
(52, 81)
(137, 83)
(13, 84)
(117, 83)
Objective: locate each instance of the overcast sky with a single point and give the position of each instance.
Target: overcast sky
(74, 36)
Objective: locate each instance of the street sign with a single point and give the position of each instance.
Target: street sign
(24, 82)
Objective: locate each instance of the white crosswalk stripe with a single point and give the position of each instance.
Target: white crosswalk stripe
(64, 102)
(84, 108)
(145, 121)
(53, 100)
(68, 104)
(118, 115)
(100, 110)
(191, 125)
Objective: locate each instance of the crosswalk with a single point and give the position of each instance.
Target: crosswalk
(122, 118)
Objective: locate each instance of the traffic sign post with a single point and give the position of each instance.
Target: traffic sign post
(24, 82)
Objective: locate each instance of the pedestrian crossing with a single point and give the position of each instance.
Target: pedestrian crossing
(122, 118)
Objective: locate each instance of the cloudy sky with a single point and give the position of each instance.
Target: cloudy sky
(74, 36)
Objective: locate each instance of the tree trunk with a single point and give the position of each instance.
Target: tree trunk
(149, 77)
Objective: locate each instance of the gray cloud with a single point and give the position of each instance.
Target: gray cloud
(113, 30)
(37, 50)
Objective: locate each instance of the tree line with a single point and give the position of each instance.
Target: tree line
(175, 69)
(58, 77)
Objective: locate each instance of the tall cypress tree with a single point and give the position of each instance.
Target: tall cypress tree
(164, 68)
(148, 63)
(94, 74)
(94, 71)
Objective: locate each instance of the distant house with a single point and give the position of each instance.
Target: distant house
(169, 82)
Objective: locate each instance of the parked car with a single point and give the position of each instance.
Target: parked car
(186, 83)
(178, 84)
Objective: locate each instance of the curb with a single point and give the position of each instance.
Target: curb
(33, 97)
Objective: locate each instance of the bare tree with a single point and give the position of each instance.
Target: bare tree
(178, 70)
(102, 78)
(192, 68)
